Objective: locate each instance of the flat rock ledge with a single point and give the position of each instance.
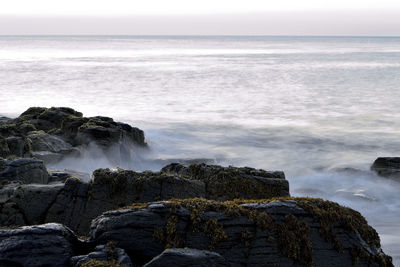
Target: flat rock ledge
(75, 203)
(198, 232)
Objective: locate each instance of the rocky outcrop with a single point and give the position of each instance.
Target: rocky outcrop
(282, 232)
(388, 167)
(199, 232)
(52, 133)
(40, 245)
(25, 170)
(182, 257)
(76, 203)
(223, 183)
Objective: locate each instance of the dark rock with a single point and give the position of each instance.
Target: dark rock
(62, 176)
(52, 133)
(103, 254)
(182, 257)
(41, 245)
(25, 170)
(223, 183)
(291, 232)
(387, 167)
(17, 146)
(76, 202)
(26, 204)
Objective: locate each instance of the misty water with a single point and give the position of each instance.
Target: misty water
(308, 106)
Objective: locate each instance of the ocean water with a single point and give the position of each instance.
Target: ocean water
(306, 105)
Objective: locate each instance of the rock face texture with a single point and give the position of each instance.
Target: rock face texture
(25, 170)
(387, 167)
(285, 232)
(102, 255)
(41, 245)
(182, 257)
(76, 203)
(52, 133)
(223, 183)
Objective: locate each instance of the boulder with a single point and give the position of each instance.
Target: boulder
(41, 245)
(388, 167)
(282, 232)
(223, 183)
(104, 255)
(25, 170)
(182, 257)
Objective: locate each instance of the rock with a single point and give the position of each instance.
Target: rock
(41, 245)
(223, 183)
(113, 189)
(26, 204)
(50, 148)
(387, 167)
(17, 146)
(105, 132)
(25, 170)
(182, 257)
(52, 133)
(76, 203)
(62, 176)
(103, 254)
(286, 232)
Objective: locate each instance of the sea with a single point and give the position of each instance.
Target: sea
(321, 109)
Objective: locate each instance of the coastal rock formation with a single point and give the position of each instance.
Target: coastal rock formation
(52, 133)
(273, 232)
(39, 245)
(282, 232)
(76, 203)
(25, 170)
(182, 257)
(387, 167)
(223, 183)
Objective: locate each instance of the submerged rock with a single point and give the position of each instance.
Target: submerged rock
(40, 245)
(387, 167)
(223, 183)
(182, 257)
(282, 232)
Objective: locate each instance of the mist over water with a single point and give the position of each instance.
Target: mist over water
(305, 105)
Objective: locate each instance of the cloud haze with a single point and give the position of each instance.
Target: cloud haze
(361, 22)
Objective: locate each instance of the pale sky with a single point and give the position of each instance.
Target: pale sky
(277, 17)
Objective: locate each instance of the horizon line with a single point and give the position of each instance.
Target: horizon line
(196, 35)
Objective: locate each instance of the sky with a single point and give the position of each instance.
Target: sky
(206, 17)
